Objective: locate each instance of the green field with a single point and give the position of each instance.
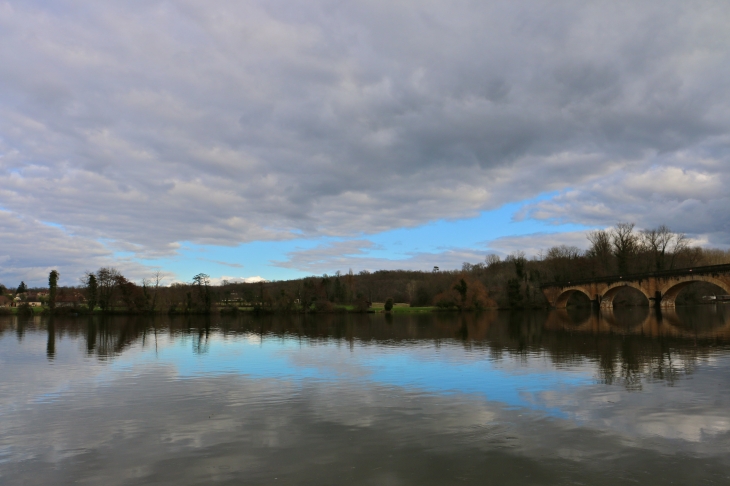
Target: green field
(401, 308)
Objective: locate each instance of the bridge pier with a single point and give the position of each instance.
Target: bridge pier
(667, 303)
(656, 300)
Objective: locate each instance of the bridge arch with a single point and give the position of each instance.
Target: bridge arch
(610, 293)
(562, 300)
(671, 290)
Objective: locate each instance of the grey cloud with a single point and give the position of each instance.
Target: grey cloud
(149, 124)
(355, 255)
(31, 249)
(683, 195)
(534, 245)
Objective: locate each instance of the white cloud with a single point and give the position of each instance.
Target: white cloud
(229, 279)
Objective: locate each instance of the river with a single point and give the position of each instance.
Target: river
(631, 396)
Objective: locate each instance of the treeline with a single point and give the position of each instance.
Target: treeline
(108, 291)
(513, 282)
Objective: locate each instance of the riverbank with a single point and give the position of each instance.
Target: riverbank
(223, 310)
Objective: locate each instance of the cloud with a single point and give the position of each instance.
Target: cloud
(355, 254)
(144, 125)
(686, 196)
(534, 245)
(229, 279)
(225, 264)
(31, 249)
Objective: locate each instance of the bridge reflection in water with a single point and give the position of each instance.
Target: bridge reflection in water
(708, 322)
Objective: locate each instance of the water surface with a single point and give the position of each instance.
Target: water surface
(578, 397)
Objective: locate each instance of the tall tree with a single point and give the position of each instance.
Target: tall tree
(519, 260)
(681, 246)
(91, 291)
(656, 242)
(22, 288)
(151, 302)
(107, 279)
(625, 245)
(601, 250)
(514, 293)
(52, 288)
(203, 282)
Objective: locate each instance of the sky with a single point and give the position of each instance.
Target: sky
(278, 139)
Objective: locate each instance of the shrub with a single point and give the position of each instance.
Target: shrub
(25, 310)
(360, 304)
(323, 306)
(466, 293)
(422, 298)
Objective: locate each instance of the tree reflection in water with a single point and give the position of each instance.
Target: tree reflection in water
(627, 345)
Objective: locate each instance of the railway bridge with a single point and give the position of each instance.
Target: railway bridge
(660, 288)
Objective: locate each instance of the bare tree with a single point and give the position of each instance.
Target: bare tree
(656, 241)
(715, 256)
(680, 246)
(563, 251)
(625, 245)
(601, 249)
(693, 255)
(492, 259)
(107, 280)
(153, 283)
(561, 260)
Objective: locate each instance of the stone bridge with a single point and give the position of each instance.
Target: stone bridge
(661, 288)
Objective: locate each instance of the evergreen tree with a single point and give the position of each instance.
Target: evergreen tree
(203, 282)
(91, 291)
(514, 293)
(52, 288)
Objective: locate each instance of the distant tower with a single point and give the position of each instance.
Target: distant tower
(435, 269)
